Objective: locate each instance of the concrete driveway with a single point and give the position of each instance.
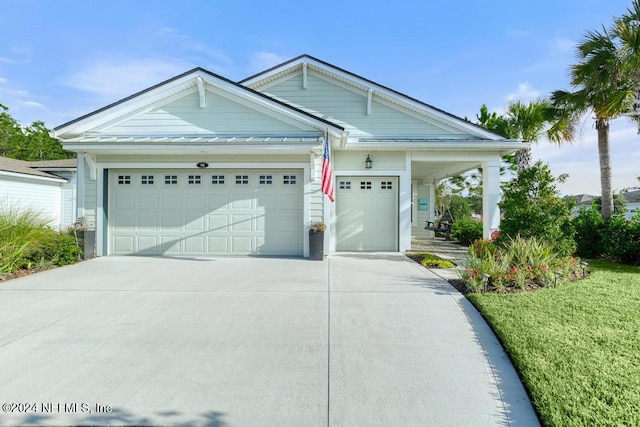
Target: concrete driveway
(354, 340)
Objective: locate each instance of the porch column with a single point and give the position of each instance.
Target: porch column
(432, 206)
(490, 197)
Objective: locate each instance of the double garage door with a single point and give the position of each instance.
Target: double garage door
(205, 212)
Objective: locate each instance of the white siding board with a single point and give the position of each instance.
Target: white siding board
(349, 109)
(222, 115)
(68, 216)
(39, 196)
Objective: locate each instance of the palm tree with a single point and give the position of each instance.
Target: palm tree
(526, 121)
(605, 79)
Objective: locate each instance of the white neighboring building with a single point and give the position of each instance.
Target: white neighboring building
(633, 203)
(47, 187)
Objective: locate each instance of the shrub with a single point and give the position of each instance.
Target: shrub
(20, 230)
(621, 239)
(467, 231)
(27, 242)
(517, 263)
(532, 208)
(56, 249)
(431, 261)
(614, 238)
(589, 232)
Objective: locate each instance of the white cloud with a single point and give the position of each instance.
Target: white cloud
(17, 93)
(200, 52)
(3, 80)
(563, 45)
(580, 159)
(525, 93)
(32, 104)
(111, 78)
(263, 60)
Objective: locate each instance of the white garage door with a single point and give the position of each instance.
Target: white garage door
(211, 212)
(367, 213)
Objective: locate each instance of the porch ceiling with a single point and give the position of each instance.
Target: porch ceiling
(435, 171)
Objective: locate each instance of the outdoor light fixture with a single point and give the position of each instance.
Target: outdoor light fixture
(485, 280)
(584, 268)
(556, 274)
(368, 162)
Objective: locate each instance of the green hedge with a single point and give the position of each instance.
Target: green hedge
(612, 238)
(467, 231)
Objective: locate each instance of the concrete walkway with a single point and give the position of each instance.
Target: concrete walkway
(354, 340)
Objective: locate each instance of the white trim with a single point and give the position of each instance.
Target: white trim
(100, 223)
(212, 165)
(202, 92)
(91, 162)
(80, 213)
(306, 210)
(304, 75)
(32, 177)
(369, 96)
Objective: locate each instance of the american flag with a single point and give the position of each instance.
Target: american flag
(327, 172)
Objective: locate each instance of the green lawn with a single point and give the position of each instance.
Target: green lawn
(576, 347)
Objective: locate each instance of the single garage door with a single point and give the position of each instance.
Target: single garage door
(211, 212)
(366, 213)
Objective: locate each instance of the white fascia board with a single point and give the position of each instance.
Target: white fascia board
(32, 177)
(505, 146)
(190, 148)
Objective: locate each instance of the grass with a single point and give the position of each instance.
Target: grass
(576, 347)
(430, 261)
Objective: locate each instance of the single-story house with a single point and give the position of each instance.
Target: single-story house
(47, 187)
(632, 197)
(202, 165)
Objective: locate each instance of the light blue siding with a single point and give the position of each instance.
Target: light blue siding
(221, 116)
(348, 108)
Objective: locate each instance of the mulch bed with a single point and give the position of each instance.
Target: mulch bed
(22, 273)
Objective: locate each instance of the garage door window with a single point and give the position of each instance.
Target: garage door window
(289, 179)
(147, 179)
(365, 185)
(345, 185)
(266, 179)
(386, 185)
(124, 179)
(242, 179)
(217, 179)
(171, 179)
(194, 180)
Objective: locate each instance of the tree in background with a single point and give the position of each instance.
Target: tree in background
(31, 143)
(606, 79)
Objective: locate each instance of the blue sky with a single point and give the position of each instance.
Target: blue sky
(62, 59)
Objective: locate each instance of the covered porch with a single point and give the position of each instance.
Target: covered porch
(428, 168)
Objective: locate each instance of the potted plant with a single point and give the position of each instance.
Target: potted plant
(316, 240)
